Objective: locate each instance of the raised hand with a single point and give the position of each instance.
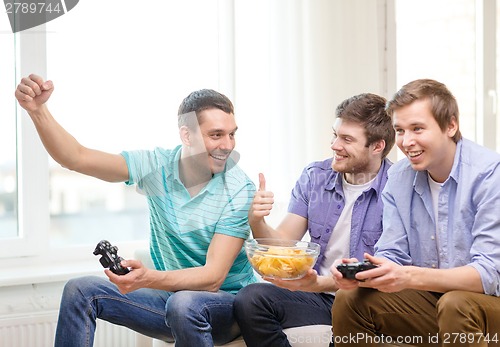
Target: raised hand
(33, 92)
(262, 202)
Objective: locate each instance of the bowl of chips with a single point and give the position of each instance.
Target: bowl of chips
(283, 259)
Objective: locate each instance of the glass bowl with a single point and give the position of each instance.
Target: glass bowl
(283, 259)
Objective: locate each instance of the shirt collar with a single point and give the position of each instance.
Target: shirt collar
(174, 173)
(213, 186)
(420, 181)
(455, 169)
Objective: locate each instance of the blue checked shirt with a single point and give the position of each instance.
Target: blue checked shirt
(468, 228)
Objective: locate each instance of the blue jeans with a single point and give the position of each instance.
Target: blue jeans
(191, 318)
(263, 310)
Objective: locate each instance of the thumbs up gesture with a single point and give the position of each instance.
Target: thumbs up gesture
(262, 202)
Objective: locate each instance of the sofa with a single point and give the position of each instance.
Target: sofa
(305, 336)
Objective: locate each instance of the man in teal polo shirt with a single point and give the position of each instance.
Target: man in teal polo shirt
(198, 201)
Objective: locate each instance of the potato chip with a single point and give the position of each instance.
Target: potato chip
(282, 262)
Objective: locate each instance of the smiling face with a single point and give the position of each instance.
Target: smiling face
(212, 143)
(352, 157)
(420, 138)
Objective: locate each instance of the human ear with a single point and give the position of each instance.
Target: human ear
(185, 135)
(452, 127)
(378, 147)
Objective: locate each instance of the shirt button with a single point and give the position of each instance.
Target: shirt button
(338, 206)
(433, 266)
(327, 231)
(432, 237)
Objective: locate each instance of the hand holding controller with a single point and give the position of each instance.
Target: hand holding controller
(110, 258)
(349, 270)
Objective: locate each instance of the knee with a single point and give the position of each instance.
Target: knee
(81, 286)
(77, 293)
(452, 302)
(180, 302)
(453, 305)
(343, 300)
(249, 296)
(347, 301)
(183, 307)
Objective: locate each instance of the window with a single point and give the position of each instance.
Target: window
(119, 80)
(448, 41)
(436, 39)
(8, 168)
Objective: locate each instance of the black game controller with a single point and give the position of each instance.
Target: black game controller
(349, 270)
(110, 258)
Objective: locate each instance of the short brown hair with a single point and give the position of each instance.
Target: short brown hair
(444, 107)
(368, 110)
(201, 100)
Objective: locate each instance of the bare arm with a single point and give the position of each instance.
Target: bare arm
(293, 227)
(32, 94)
(221, 254)
(464, 278)
(311, 282)
(390, 277)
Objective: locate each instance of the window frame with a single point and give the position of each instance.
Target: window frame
(32, 243)
(32, 163)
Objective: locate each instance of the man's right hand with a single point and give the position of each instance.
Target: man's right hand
(33, 92)
(262, 202)
(340, 281)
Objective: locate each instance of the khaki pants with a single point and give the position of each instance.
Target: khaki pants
(367, 317)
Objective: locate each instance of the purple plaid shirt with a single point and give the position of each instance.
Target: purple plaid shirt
(318, 196)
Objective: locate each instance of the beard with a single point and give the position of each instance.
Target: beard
(354, 165)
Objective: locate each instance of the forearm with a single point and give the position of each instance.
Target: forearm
(464, 278)
(60, 145)
(69, 153)
(260, 229)
(196, 278)
(326, 284)
(292, 227)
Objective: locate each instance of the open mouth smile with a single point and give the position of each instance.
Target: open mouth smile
(219, 157)
(414, 154)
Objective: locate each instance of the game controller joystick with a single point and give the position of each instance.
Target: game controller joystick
(110, 258)
(349, 270)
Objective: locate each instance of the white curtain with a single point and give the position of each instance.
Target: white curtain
(294, 61)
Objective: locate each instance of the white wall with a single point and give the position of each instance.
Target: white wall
(312, 55)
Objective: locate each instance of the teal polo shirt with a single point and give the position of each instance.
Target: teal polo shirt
(182, 226)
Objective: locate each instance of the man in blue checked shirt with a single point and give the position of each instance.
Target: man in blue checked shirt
(438, 275)
(198, 201)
